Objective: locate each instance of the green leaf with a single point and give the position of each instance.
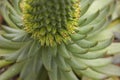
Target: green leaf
(62, 50)
(47, 59)
(111, 70)
(11, 71)
(75, 48)
(114, 48)
(92, 74)
(92, 54)
(96, 62)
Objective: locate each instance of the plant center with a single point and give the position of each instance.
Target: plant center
(51, 21)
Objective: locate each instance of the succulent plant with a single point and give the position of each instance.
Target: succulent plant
(58, 39)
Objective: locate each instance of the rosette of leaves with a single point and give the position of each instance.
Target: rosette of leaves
(58, 39)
